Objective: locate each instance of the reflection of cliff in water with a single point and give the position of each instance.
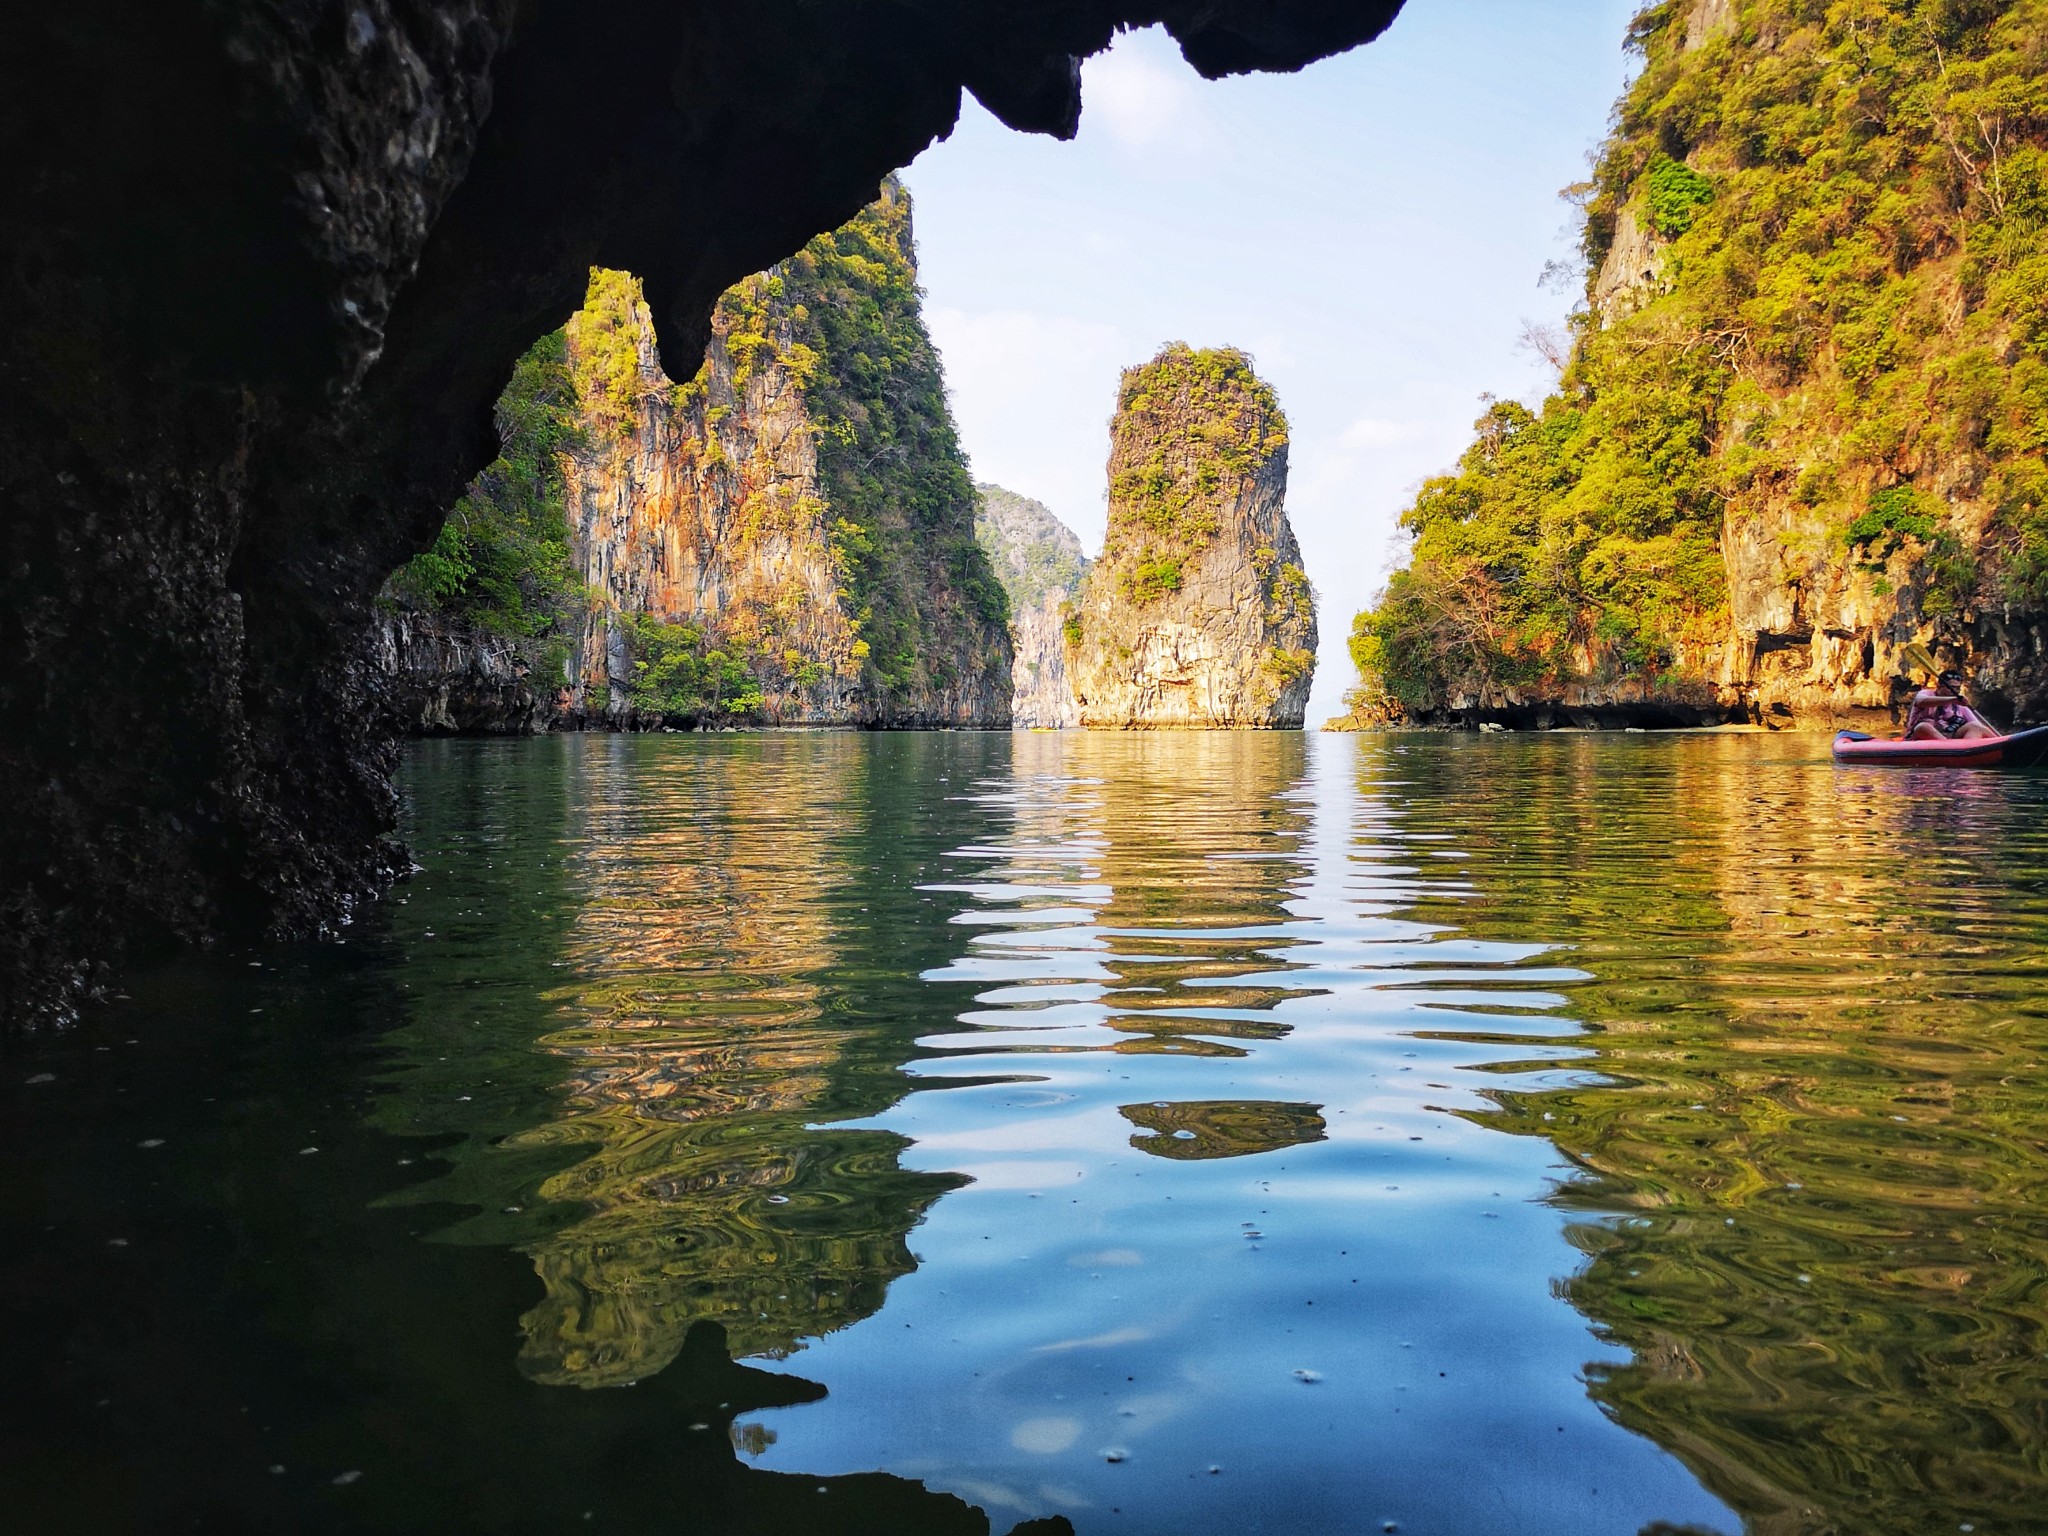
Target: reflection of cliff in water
(712, 1005)
(1823, 1122)
(1194, 1132)
(1200, 843)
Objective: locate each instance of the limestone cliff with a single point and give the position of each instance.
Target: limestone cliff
(1801, 445)
(786, 539)
(1199, 612)
(1039, 561)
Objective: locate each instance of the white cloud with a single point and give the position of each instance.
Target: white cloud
(1144, 95)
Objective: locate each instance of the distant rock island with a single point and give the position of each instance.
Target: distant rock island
(1038, 560)
(785, 539)
(1199, 613)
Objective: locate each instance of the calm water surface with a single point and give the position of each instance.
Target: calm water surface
(933, 1134)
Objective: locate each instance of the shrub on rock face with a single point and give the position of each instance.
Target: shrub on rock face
(502, 562)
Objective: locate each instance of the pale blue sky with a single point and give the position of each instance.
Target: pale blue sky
(1371, 230)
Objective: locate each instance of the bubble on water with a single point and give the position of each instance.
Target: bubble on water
(346, 1478)
(42, 1077)
(151, 1141)
(778, 1199)
(307, 1151)
(1045, 1436)
(1307, 1377)
(1115, 1455)
(1183, 1135)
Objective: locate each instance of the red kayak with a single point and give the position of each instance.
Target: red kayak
(2021, 749)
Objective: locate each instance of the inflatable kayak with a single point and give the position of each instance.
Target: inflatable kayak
(2021, 749)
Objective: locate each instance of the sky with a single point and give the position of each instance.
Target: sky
(1373, 231)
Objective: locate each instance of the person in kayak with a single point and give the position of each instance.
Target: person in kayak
(1938, 713)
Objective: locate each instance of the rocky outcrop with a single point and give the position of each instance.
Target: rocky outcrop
(722, 566)
(448, 679)
(1798, 457)
(1630, 273)
(1199, 613)
(1039, 561)
(267, 267)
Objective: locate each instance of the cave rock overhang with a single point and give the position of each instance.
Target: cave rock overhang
(269, 265)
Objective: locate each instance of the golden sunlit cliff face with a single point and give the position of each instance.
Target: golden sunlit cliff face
(790, 532)
(268, 271)
(701, 507)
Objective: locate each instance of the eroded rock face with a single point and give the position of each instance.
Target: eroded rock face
(1199, 613)
(784, 539)
(704, 509)
(779, 510)
(1039, 561)
(268, 266)
(448, 680)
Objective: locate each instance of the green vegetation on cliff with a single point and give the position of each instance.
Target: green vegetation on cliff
(1819, 281)
(838, 327)
(1201, 417)
(1031, 552)
(888, 453)
(501, 564)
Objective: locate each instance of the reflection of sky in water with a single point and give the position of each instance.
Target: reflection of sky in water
(1339, 1292)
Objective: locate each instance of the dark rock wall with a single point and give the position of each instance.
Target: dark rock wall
(267, 265)
(446, 679)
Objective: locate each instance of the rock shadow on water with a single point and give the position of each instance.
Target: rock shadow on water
(1197, 1131)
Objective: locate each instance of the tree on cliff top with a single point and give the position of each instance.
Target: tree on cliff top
(1848, 294)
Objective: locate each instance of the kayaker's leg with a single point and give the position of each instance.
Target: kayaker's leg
(1975, 730)
(1925, 731)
